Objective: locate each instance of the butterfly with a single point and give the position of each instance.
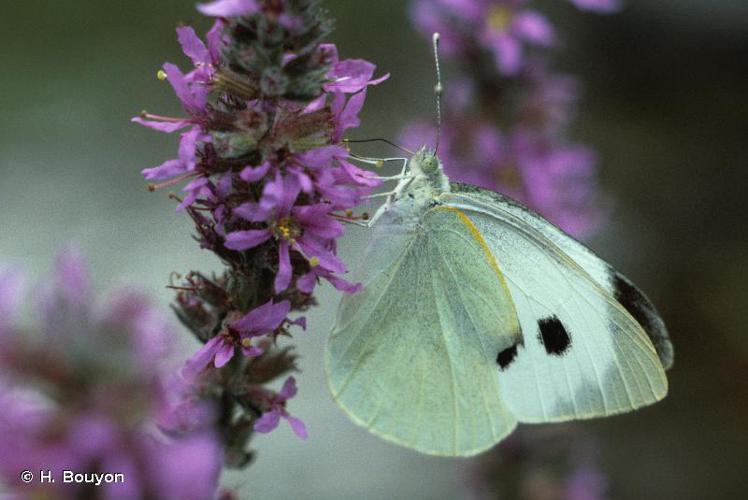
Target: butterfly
(477, 314)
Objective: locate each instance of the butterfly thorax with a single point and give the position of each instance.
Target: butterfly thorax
(420, 188)
(425, 180)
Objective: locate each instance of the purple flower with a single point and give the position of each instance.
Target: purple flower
(229, 8)
(501, 27)
(548, 103)
(186, 162)
(560, 183)
(192, 95)
(219, 350)
(275, 408)
(258, 322)
(507, 28)
(350, 75)
(308, 229)
(339, 182)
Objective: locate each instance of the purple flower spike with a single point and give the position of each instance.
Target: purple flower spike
(268, 185)
(229, 8)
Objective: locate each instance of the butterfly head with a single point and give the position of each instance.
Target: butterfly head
(426, 174)
(425, 162)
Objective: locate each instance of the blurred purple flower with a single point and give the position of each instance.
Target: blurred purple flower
(502, 27)
(229, 8)
(67, 407)
(275, 408)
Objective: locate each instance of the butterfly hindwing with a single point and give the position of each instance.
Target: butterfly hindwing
(584, 355)
(413, 357)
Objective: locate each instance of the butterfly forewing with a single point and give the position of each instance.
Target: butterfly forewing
(413, 356)
(617, 285)
(583, 354)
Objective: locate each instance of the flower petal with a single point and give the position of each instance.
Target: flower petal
(202, 357)
(214, 38)
(288, 390)
(252, 211)
(192, 46)
(244, 240)
(229, 8)
(224, 354)
(533, 27)
(168, 169)
(268, 421)
(508, 54)
(193, 103)
(254, 174)
(327, 260)
(297, 425)
(167, 127)
(252, 351)
(263, 319)
(285, 271)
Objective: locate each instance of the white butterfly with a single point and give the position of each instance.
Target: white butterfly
(477, 314)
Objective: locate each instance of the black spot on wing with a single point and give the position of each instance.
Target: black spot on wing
(505, 357)
(553, 335)
(643, 311)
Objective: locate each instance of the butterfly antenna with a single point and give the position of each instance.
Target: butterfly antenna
(360, 141)
(438, 91)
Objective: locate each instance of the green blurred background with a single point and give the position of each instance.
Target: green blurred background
(665, 106)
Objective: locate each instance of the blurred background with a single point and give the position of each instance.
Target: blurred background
(665, 106)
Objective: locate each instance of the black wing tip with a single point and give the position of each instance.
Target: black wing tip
(645, 313)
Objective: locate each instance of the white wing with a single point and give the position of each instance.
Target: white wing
(615, 283)
(412, 357)
(583, 354)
